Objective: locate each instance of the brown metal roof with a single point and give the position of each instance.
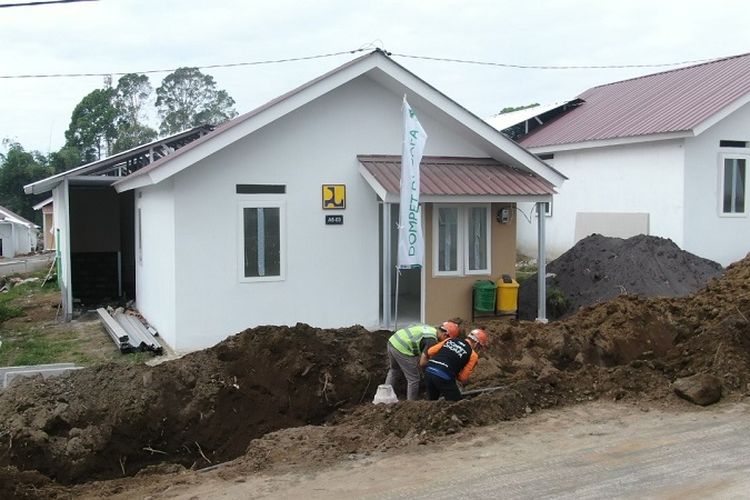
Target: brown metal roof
(452, 176)
(671, 101)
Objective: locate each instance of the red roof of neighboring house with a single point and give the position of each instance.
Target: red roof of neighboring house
(452, 176)
(671, 101)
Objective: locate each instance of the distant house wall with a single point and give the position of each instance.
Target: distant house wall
(8, 240)
(332, 272)
(637, 178)
(155, 258)
(708, 233)
(17, 239)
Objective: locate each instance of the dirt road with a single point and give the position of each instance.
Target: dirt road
(26, 264)
(595, 450)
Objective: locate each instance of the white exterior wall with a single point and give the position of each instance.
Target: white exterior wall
(155, 262)
(17, 239)
(6, 234)
(707, 233)
(645, 177)
(61, 226)
(332, 272)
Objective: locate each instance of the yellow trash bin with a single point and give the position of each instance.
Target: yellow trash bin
(507, 295)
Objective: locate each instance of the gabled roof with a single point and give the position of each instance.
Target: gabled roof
(442, 176)
(381, 68)
(677, 103)
(8, 216)
(42, 204)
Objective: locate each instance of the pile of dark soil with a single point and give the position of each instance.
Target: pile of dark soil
(599, 268)
(289, 398)
(112, 420)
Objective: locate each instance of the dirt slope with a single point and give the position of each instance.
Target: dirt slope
(278, 397)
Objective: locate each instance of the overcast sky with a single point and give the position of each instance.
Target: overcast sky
(139, 35)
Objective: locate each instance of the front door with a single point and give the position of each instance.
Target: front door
(405, 285)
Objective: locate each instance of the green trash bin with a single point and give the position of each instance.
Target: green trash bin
(484, 296)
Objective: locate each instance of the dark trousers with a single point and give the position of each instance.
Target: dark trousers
(437, 387)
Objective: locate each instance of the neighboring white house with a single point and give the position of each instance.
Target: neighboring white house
(665, 154)
(17, 235)
(287, 213)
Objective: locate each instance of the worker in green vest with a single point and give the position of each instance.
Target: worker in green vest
(406, 346)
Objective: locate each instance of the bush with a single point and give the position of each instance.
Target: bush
(557, 303)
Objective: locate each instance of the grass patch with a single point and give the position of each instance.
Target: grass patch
(7, 309)
(33, 346)
(36, 338)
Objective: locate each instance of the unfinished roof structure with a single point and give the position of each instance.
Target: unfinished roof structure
(122, 164)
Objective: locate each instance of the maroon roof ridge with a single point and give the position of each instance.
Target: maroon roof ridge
(673, 70)
(674, 101)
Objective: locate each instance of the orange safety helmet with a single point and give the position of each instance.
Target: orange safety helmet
(480, 336)
(450, 328)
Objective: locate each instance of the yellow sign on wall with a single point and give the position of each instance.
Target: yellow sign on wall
(334, 196)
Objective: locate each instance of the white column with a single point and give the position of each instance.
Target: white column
(387, 271)
(541, 265)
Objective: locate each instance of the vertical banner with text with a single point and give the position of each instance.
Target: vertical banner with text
(410, 239)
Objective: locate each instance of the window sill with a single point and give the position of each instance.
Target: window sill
(262, 280)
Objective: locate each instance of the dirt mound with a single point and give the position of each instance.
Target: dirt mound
(599, 268)
(289, 398)
(113, 420)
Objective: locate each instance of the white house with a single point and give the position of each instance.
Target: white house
(287, 213)
(17, 235)
(665, 154)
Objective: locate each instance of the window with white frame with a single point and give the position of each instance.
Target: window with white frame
(461, 240)
(734, 184)
(262, 231)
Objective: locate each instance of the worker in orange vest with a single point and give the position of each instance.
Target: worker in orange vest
(451, 360)
(404, 350)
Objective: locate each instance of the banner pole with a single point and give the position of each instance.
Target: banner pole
(395, 313)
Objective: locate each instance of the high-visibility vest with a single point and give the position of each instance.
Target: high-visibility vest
(408, 340)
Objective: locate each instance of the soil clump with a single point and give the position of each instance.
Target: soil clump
(599, 268)
(297, 398)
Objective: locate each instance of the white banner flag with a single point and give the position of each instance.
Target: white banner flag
(410, 240)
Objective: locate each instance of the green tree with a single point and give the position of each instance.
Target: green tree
(188, 98)
(19, 167)
(130, 99)
(66, 158)
(92, 126)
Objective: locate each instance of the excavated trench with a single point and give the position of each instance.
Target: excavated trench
(204, 408)
(256, 394)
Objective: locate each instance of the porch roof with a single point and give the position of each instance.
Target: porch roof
(445, 178)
